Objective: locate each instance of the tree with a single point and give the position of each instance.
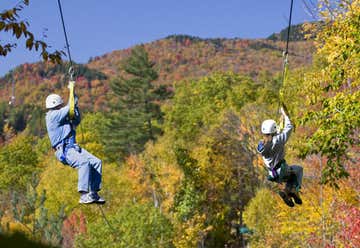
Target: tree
(134, 225)
(18, 161)
(131, 123)
(31, 214)
(10, 22)
(332, 90)
(211, 147)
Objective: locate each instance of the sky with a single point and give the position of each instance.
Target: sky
(96, 27)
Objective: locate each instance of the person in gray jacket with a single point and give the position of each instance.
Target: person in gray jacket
(62, 133)
(272, 150)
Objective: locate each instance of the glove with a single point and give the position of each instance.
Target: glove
(260, 146)
(71, 84)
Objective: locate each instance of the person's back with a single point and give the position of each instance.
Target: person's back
(58, 124)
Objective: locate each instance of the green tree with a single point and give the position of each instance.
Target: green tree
(31, 213)
(262, 219)
(134, 225)
(131, 123)
(18, 160)
(333, 94)
(197, 104)
(10, 22)
(212, 148)
(2, 117)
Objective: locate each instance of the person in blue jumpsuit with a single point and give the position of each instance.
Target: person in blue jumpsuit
(272, 150)
(62, 134)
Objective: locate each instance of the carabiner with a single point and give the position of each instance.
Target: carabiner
(71, 73)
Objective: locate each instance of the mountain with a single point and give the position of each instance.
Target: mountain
(182, 57)
(177, 57)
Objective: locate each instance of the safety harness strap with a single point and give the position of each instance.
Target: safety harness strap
(71, 100)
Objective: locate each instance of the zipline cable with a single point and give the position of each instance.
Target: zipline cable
(71, 69)
(285, 63)
(286, 52)
(65, 34)
(289, 26)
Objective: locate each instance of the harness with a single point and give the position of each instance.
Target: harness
(278, 176)
(66, 144)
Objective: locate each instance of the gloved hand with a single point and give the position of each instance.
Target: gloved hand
(71, 84)
(260, 146)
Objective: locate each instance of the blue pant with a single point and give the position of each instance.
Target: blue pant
(89, 168)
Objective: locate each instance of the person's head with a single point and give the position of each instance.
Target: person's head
(268, 128)
(53, 101)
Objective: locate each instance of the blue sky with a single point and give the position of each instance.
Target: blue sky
(96, 27)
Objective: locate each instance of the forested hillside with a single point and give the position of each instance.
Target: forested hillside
(176, 123)
(176, 58)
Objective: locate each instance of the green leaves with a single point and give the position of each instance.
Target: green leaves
(9, 22)
(335, 94)
(198, 103)
(18, 161)
(135, 112)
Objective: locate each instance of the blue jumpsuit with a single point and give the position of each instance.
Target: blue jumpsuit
(62, 134)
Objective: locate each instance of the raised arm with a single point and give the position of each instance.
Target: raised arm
(288, 127)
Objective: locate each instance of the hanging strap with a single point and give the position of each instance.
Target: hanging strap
(71, 87)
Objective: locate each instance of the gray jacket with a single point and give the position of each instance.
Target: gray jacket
(274, 152)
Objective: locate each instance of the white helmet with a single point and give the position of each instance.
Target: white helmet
(53, 100)
(268, 127)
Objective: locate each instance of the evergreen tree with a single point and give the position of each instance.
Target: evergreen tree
(134, 114)
(29, 210)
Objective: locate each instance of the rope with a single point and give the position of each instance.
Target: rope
(65, 34)
(71, 69)
(288, 31)
(105, 219)
(285, 61)
(286, 52)
(113, 230)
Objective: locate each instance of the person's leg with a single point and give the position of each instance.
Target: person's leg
(95, 171)
(78, 160)
(95, 165)
(298, 171)
(294, 183)
(89, 170)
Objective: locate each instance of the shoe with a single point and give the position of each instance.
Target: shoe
(98, 199)
(286, 199)
(296, 196)
(86, 198)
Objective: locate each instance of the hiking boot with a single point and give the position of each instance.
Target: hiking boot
(288, 201)
(87, 198)
(296, 196)
(98, 199)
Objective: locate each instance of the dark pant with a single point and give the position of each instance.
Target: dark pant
(293, 177)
